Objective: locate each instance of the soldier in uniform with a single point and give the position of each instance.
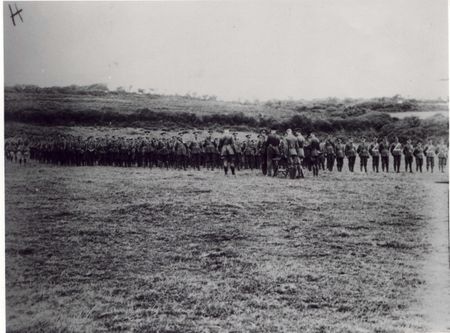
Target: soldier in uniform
(293, 160)
(419, 155)
(273, 153)
(442, 152)
(363, 152)
(330, 153)
(237, 152)
(374, 151)
(340, 154)
(314, 146)
(384, 153)
(180, 153)
(408, 152)
(350, 152)
(249, 148)
(430, 153)
(301, 146)
(195, 150)
(261, 151)
(396, 151)
(210, 149)
(226, 147)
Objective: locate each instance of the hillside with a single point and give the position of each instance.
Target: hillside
(97, 106)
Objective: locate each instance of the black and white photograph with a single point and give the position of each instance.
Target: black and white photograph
(225, 166)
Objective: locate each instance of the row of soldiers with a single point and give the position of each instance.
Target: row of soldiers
(269, 152)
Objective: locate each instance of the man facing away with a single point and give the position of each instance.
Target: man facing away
(226, 147)
(273, 153)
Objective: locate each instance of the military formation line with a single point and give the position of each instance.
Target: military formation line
(290, 154)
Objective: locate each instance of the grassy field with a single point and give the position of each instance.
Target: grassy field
(99, 249)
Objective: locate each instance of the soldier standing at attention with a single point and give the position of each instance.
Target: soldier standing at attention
(195, 148)
(301, 146)
(261, 148)
(273, 153)
(314, 146)
(226, 147)
(384, 153)
(350, 152)
(340, 153)
(396, 151)
(363, 152)
(374, 151)
(418, 153)
(249, 153)
(430, 152)
(293, 161)
(408, 151)
(442, 152)
(330, 153)
(210, 149)
(237, 151)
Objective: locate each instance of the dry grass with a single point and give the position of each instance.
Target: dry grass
(110, 249)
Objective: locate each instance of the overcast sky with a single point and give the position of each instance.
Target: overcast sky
(302, 49)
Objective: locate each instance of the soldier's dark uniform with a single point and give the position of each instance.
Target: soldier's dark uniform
(210, 149)
(314, 147)
(408, 152)
(226, 147)
(249, 148)
(195, 150)
(340, 154)
(419, 155)
(363, 152)
(330, 154)
(350, 152)
(374, 151)
(430, 153)
(396, 151)
(273, 154)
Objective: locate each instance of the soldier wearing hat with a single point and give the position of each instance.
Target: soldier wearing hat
(350, 153)
(330, 153)
(384, 154)
(363, 152)
(249, 148)
(273, 153)
(408, 152)
(442, 153)
(419, 155)
(374, 151)
(292, 154)
(261, 152)
(340, 154)
(314, 147)
(210, 149)
(195, 148)
(430, 153)
(238, 156)
(226, 147)
(396, 151)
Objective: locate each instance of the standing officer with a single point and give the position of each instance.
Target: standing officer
(384, 153)
(396, 151)
(363, 152)
(350, 152)
(340, 153)
(226, 147)
(374, 151)
(273, 153)
(419, 155)
(330, 153)
(314, 146)
(293, 161)
(408, 151)
(442, 155)
(430, 153)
